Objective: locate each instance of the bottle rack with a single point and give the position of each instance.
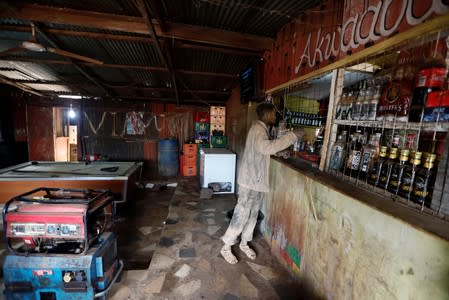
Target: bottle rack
(427, 126)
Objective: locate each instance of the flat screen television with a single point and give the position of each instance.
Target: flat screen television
(250, 83)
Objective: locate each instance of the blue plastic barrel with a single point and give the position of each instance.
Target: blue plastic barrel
(167, 158)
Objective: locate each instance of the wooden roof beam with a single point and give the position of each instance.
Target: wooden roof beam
(104, 21)
(117, 66)
(165, 58)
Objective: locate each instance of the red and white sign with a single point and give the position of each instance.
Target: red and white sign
(343, 27)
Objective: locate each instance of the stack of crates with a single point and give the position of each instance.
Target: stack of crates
(189, 160)
(202, 127)
(217, 127)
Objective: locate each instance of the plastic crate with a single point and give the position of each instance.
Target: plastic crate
(189, 149)
(217, 110)
(217, 120)
(202, 126)
(219, 141)
(202, 117)
(189, 170)
(189, 160)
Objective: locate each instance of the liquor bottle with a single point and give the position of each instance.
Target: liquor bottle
(369, 93)
(354, 155)
(374, 103)
(385, 171)
(423, 183)
(350, 100)
(373, 175)
(341, 112)
(397, 171)
(357, 104)
(338, 152)
(369, 156)
(406, 184)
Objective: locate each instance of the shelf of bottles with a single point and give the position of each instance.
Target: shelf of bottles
(306, 106)
(390, 125)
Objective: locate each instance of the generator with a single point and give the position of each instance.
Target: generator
(61, 245)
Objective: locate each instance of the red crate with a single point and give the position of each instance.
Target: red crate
(189, 149)
(189, 160)
(202, 117)
(189, 171)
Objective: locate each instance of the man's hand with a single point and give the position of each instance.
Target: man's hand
(299, 132)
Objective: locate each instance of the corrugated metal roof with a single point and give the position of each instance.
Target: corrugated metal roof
(132, 59)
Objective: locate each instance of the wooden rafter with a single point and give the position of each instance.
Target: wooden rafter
(133, 39)
(117, 66)
(165, 58)
(204, 35)
(75, 64)
(122, 86)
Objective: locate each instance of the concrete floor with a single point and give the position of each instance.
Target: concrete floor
(180, 234)
(169, 240)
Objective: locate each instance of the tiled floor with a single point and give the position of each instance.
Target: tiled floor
(169, 239)
(185, 262)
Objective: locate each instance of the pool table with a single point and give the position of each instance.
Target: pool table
(119, 177)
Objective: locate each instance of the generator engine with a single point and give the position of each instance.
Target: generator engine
(61, 244)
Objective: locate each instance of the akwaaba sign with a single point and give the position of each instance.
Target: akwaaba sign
(362, 23)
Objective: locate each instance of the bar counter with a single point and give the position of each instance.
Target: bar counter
(348, 243)
(396, 209)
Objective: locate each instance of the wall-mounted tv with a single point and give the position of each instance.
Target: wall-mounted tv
(250, 83)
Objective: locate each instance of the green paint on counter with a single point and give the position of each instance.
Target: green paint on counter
(294, 255)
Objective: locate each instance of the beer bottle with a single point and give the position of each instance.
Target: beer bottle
(423, 183)
(397, 171)
(373, 175)
(385, 171)
(406, 184)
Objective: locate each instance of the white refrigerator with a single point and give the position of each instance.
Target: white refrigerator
(217, 170)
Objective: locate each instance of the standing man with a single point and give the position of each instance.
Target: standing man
(253, 180)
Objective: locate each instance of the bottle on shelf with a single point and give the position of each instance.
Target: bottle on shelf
(373, 175)
(342, 107)
(338, 152)
(423, 184)
(397, 171)
(374, 102)
(369, 156)
(350, 100)
(354, 155)
(358, 102)
(385, 171)
(366, 100)
(406, 183)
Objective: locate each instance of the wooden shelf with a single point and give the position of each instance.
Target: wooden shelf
(425, 126)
